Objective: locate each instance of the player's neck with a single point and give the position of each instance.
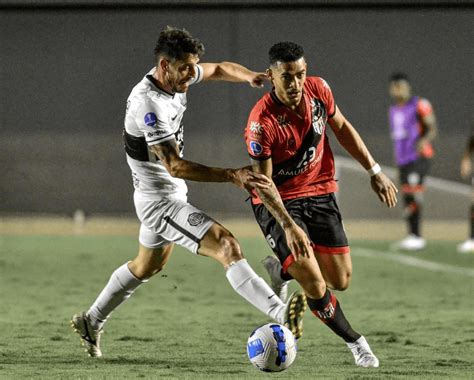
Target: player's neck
(160, 82)
(403, 101)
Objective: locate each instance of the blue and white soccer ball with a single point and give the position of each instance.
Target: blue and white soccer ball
(271, 348)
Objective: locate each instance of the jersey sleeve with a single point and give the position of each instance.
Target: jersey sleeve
(258, 137)
(424, 108)
(199, 74)
(328, 98)
(155, 129)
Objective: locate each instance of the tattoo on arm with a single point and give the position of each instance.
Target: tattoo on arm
(273, 202)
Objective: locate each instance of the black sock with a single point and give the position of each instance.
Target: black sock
(472, 221)
(413, 214)
(328, 310)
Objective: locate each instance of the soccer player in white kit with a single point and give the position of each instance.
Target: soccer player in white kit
(153, 137)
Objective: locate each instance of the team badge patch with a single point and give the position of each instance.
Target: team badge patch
(151, 120)
(256, 148)
(195, 219)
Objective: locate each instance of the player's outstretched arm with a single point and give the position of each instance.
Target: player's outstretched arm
(350, 139)
(168, 154)
(232, 72)
(297, 240)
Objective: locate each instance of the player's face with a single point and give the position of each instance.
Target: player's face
(181, 71)
(288, 79)
(400, 91)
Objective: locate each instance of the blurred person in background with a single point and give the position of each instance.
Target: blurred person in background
(413, 129)
(466, 172)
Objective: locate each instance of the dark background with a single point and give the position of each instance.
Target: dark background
(68, 67)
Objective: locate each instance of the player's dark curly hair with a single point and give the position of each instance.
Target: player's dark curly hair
(395, 77)
(174, 44)
(285, 52)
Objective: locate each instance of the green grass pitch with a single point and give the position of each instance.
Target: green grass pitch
(187, 322)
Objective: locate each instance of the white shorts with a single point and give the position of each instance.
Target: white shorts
(171, 221)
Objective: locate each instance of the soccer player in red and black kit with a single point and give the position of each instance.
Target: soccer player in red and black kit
(298, 215)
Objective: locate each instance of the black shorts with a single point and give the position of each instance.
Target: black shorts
(318, 216)
(412, 175)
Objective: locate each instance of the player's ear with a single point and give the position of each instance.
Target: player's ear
(164, 65)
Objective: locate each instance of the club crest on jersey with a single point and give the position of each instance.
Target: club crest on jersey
(256, 148)
(318, 111)
(282, 122)
(195, 218)
(151, 120)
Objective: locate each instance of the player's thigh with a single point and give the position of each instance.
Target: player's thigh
(308, 274)
(274, 234)
(412, 176)
(326, 231)
(336, 269)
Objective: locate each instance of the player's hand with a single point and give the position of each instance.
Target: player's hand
(258, 79)
(421, 144)
(297, 241)
(466, 167)
(385, 189)
(247, 179)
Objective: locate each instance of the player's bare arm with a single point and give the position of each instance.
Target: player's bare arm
(350, 139)
(296, 238)
(244, 178)
(431, 131)
(232, 72)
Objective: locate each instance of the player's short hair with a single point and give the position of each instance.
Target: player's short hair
(174, 44)
(397, 76)
(285, 52)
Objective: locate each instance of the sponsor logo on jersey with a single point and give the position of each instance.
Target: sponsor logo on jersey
(256, 148)
(195, 218)
(156, 133)
(255, 128)
(308, 162)
(151, 120)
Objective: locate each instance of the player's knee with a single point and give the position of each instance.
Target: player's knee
(343, 281)
(316, 290)
(143, 271)
(229, 249)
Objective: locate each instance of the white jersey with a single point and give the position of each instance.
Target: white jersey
(155, 116)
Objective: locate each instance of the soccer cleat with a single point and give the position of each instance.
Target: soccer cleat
(363, 355)
(90, 338)
(273, 267)
(294, 311)
(466, 247)
(412, 243)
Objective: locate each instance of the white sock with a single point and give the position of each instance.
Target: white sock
(255, 290)
(120, 287)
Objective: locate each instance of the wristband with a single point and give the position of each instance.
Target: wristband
(376, 169)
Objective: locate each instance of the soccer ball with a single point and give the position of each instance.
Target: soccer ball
(271, 348)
